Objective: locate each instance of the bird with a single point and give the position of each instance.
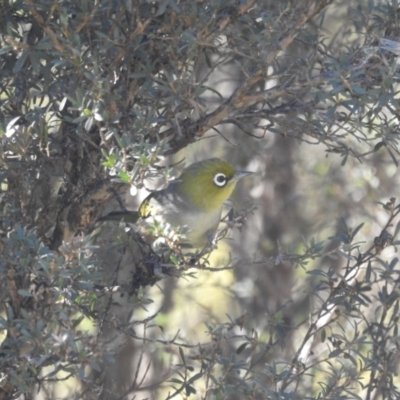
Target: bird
(193, 201)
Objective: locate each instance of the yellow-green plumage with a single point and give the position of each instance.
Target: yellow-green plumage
(194, 200)
(197, 180)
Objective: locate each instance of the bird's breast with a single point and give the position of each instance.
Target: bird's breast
(174, 209)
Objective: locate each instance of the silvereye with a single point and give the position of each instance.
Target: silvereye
(194, 200)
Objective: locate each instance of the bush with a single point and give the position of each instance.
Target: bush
(100, 99)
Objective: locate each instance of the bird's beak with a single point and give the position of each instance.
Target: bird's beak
(241, 174)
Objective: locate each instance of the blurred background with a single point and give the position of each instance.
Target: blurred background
(101, 101)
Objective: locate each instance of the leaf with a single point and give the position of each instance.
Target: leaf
(182, 355)
(35, 62)
(124, 176)
(348, 356)
(241, 347)
(335, 353)
(98, 117)
(89, 123)
(317, 272)
(174, 380)
(24, 293)
(358, 90)
(12, 123)
(190, 390)
(379, 145)
(110, 162)
(174, 259)
(62, 103)
(393, 263)
(323, 335)
(356, 230)
(20, 62)
(396, 309)
(341, 237)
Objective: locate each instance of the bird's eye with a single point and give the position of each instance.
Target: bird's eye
(220, 180)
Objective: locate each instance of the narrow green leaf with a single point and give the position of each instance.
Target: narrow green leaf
(182, 355)
(323, 335)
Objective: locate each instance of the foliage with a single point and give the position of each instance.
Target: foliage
(94, 96)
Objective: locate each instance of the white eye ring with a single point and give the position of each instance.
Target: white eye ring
(220, 179)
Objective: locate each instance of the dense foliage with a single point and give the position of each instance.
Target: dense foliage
(96, 97)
